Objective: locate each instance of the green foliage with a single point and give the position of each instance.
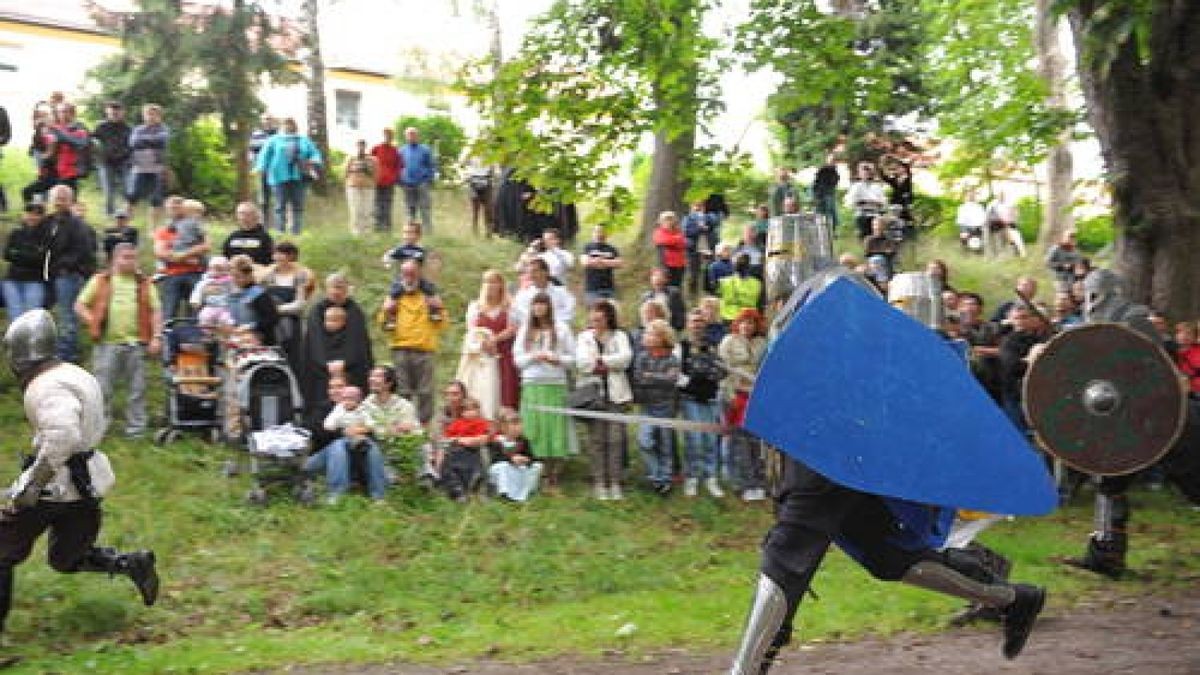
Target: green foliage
(591, 78)
(201, 165)
(733, 175)
(443, 135)
(1109, 26)
(1029, 217)
(1093, 234)
(936, 214)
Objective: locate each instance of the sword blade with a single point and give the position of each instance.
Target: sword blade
(625, 418)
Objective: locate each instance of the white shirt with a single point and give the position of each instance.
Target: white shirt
(560, 261)
(560, 298)
(970, 216)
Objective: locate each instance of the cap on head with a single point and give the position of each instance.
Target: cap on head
(29, 341)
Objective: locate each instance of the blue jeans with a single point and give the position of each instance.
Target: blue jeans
(656, 444)
(419, 198)
(66, 290)
(289, 193)
(334, 460)
(22, 296)
(174, 290)
(112, 183)
(828, 207)
(700, 448)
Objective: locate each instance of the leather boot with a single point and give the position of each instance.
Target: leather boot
(138, 566)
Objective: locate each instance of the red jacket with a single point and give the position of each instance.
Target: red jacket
(672, 246)
(1188, 360)
(387, 159)
(66, 156)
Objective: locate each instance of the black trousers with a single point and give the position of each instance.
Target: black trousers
(73, 529)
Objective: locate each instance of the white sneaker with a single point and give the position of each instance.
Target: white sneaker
(713, 487)
(615, 494)
(690, 487)
(601, 492)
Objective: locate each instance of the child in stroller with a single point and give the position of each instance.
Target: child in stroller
(189, 359)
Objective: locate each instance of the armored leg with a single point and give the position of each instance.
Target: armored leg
(6, 589)
(138, 566)
(763, 635)
(1105, 553)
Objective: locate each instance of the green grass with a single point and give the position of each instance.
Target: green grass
(425, 580)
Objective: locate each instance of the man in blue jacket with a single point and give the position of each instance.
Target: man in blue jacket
(417, 178)
(287, 161)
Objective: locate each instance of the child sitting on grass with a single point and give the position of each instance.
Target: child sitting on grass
(459, 462)
(515, 474)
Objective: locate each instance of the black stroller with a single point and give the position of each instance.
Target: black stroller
(270, 409)
(190, 369)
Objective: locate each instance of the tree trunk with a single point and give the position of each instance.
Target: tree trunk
(1142, 105)
(318, 129)
(1057, 217)
(668, 178)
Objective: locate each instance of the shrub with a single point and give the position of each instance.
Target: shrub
(1093, 234)
(1029, 218)
(202, 166)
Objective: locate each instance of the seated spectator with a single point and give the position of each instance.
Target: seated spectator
(669, 296)
(515, 473)
(119, 232)
(390, 416)
(672, 247)
(251, 237)
(353, 448)
(721, 266)
(211, 296)
(252, 309)
(352, 348)
(25, 250)
(752, 251)
(458, 461)
(1187, 355)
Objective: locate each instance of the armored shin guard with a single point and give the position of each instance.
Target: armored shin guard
(974, 583)
(765, 632)
(1107, 546)
(138, 566)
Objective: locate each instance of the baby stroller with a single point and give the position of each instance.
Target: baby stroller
(270, 408)
(190, 365)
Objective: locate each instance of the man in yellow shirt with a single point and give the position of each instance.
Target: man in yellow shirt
(414, 339)
(122, 314)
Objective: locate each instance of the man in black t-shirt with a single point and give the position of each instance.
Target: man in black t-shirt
(600, 258)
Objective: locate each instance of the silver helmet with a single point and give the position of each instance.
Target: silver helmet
(30, 340)
(1103, 295)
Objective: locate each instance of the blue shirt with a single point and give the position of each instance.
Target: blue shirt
(419, 168)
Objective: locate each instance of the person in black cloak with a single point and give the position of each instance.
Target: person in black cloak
(337, 338)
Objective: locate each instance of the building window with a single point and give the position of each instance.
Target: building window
(348, 104)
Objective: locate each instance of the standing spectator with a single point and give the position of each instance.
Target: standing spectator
(559, 260)
(71, 260)
(387, 174)
(495, 311)
(898, 176)
(479, 192)
(984, 340)
(742, 352)
(258, 140)
(1187, 355)
(179, 246)
(599, 259)
(603, 355)
(750, 248)
(740, 290)
(701, 372)
(123, 318)
(417, 172)
(61, 147)
(360, 173)
(252, 309)
(866, 197)
(971, 219)
(824, 191)
(287, 161)
(543, 351)
(1061, 259)
(251, 238)
(1028, 329)
(650, 310)
(540, 283)
(761, 225)
(669, 296)
(113, 137)
(721, 267)
(289, 285)
(655, 376)
(881, 245)
(355, 351)
(148, 174)
(1025, 290)
(697, 224)
(414, 340)
(782, 190)
(25, 251)
(120, 232)
(1002, 222)
(672, 247)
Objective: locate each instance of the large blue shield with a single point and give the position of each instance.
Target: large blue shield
(875, 401)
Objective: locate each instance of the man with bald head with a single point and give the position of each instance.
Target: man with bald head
(416, 177)
(414, 339)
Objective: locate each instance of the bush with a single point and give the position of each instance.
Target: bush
(202, 167)
(936, 215)
(1093, 234)
(443, 135)
(1029, 218)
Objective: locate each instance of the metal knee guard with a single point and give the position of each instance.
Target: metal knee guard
(761, 639)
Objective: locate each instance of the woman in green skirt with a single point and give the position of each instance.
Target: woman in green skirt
(543, 351)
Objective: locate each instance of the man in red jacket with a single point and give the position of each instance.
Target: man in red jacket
(672, 247)
(388, 166)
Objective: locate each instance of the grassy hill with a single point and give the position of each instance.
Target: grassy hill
(423, 579)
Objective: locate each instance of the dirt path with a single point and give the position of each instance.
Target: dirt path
(1147, 636)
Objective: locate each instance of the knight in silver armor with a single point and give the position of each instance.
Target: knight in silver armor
(65, 477)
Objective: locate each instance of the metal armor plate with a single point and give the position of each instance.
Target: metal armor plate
(1105, 399)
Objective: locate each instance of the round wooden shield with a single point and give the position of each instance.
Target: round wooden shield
(1105, 399)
